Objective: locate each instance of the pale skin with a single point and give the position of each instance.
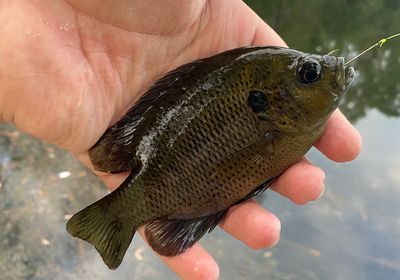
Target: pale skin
(70, 69)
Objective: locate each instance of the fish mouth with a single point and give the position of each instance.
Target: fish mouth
(344, 74)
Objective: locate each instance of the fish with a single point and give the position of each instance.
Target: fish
(208, 135)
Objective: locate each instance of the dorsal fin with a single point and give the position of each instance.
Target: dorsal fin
(116, 150)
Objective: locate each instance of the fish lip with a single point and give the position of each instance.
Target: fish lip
(344, 74)
(340, 72)
(349, 75)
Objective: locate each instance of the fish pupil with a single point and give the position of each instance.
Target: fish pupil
(309, 72)
(257, 101)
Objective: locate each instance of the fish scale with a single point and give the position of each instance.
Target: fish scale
(183, 160)
(206, 136)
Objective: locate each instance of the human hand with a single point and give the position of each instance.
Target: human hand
(70, 69)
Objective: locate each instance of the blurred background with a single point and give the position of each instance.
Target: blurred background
(352, 232)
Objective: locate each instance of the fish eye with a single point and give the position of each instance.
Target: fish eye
(257, 101)
(309, 72)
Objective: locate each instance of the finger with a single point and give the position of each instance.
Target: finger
(252, 224)
(340, 141)
(195, 263)
(301, 183)
(263, 34)
(112, 181)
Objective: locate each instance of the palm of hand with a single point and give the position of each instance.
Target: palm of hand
(81, 72)
(72, 68)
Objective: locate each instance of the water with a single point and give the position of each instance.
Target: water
(351, 233)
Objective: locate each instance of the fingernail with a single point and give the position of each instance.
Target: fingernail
(322, 192)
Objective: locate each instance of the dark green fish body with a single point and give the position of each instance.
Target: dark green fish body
(207, 136)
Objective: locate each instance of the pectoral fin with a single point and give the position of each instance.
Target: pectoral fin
(260, 189)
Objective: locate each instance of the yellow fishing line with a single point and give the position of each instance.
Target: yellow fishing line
(379, 43)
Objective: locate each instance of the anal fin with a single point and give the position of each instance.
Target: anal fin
(171, 237)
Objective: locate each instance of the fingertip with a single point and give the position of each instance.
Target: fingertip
(111, 180)
(253, 225)
(340, 141)
(315, 187)
(268, 234)
(353, 148)
(323, 188)
(263, 35)
(194, 264)
(301, 183)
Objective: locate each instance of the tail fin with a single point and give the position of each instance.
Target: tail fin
(105, 231)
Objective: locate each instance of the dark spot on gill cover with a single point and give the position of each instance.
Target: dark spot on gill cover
(257, 101)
